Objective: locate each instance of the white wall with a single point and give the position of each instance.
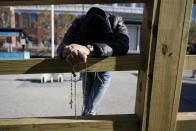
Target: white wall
(134, 37)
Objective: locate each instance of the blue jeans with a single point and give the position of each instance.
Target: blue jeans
(94, 86)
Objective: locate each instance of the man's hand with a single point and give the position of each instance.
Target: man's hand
(75, 54)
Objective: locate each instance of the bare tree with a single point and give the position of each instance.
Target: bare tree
(62, 22)
(5, 15)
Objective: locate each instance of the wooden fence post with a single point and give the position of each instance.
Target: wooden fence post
(172, 37)
(147, 48)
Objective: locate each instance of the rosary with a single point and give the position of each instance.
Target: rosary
(71, 101)
(73, 74)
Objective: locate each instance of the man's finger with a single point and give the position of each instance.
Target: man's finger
(68, 49)
(75, 56)
(81, 48)
(82, 56)
(70, 59)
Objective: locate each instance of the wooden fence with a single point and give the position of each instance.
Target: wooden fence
(160, 64)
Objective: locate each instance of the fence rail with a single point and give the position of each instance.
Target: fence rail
(185, 122)
(48, 2)
(97, 123)
(33, 66)
(42, 65)
(190, 62)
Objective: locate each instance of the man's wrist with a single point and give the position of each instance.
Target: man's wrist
(91, 49)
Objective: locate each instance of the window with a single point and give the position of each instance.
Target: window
(106, 4)
(25, 20)
(140, 5)
(124, 4)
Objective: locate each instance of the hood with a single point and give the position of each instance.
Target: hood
(94, 10)
(98, 11)
(95, 27)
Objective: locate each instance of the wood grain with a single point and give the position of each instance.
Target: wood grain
(172, 37)
(190, 62)
(48, 2)
(95, 123)
(35, 66)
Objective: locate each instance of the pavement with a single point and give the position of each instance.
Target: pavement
(188, 93)
(24, 95)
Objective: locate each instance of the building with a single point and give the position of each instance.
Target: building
(26, 16)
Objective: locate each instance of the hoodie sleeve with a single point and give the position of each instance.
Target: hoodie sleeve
(70, 35)
(119, 44)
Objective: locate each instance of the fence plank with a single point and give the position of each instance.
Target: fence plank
(95, 123)
(33, 66)
(48, 2)
(173, 29)
(149, 34)
(183, 48)
(190, 62)
(186, 121)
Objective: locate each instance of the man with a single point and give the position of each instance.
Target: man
(98, 34)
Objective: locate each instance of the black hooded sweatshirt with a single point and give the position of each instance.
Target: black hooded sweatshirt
(106, 32)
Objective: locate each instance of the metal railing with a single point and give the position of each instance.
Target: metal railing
(83, 8)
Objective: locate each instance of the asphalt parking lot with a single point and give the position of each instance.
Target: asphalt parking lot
(25, 96)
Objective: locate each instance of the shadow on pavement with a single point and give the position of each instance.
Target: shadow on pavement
(135, 74)
(30, 80)
(188, 98)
